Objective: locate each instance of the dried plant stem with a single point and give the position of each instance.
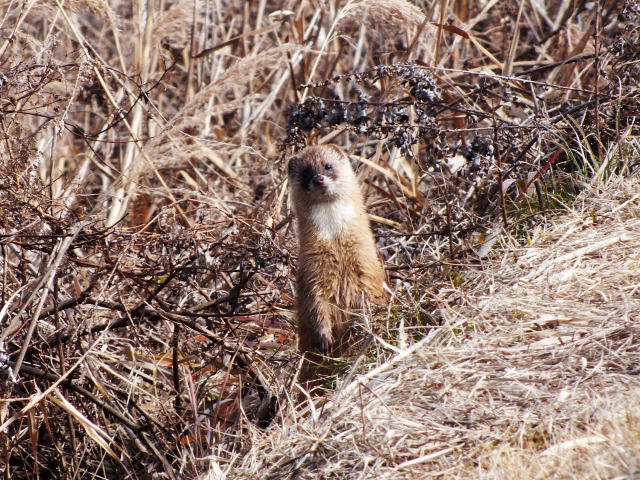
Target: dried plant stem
(188, 90)
(444, 5)
(496, 146)
(596, 66)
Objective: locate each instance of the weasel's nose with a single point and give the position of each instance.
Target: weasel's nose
(318, 180)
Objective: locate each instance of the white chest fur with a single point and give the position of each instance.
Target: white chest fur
(331, 218)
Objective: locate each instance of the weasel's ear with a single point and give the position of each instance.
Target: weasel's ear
(291, 167)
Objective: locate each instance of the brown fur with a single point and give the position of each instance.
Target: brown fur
(338, 260)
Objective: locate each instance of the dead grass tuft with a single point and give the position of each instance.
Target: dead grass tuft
(394, 15)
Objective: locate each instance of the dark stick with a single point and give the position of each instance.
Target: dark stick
(176, 374)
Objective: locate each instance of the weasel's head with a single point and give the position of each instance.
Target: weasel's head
(321, 174)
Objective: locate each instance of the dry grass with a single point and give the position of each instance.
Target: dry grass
(147, 248)
(533, 372)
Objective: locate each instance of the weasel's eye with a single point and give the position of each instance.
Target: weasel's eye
(328, 166)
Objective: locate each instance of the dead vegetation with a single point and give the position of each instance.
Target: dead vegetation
(147, 244)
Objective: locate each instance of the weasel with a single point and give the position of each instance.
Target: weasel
(337, 262)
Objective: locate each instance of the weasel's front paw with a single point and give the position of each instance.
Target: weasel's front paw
(324, 341)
